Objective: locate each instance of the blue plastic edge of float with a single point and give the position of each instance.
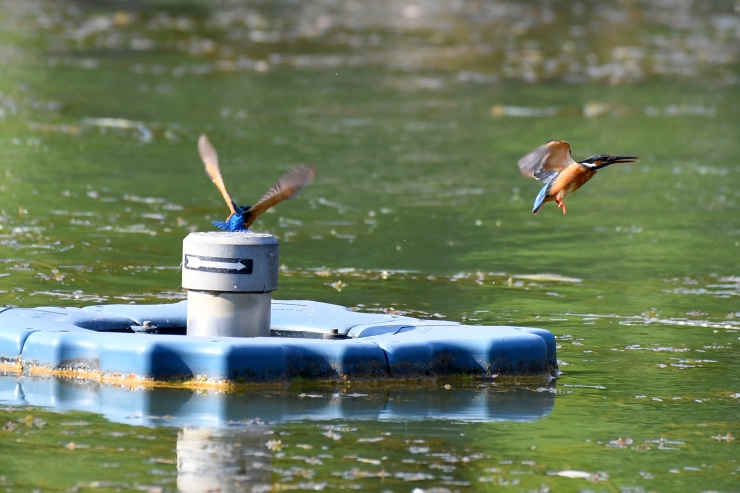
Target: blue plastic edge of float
(99, 338)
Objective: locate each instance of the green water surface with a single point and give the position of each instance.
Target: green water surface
(415, 114)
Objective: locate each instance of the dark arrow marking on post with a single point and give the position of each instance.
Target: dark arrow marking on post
(220, 265)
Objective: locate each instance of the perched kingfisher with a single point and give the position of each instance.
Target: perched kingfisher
(242, 217)
(553, 164)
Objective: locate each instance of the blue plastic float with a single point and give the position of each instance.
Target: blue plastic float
(308, 340)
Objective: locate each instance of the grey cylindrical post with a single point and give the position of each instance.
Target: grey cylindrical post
(230, 278)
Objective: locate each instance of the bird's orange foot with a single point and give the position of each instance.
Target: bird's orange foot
(561, 204)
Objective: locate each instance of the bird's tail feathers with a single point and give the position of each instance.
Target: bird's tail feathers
(221, 225)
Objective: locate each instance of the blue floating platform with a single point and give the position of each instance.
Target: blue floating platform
(310, 340)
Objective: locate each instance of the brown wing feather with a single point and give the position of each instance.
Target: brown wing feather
(286, 188)
(210, 159)
(547, 160)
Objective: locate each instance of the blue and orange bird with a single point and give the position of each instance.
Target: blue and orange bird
(242, 217)
(553, 164)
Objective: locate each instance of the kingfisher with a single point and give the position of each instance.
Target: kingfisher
(554, 165)
(242, 217)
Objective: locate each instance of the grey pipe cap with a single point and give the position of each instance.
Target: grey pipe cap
(230, 262)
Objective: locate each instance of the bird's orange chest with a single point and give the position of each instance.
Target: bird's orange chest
(571, 179)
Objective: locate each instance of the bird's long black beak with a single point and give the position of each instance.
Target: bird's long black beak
(622, 159)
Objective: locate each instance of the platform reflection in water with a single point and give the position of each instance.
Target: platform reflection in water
(183, 407)
(223, 436)
(226, 460)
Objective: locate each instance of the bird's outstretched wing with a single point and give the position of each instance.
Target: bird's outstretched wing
(286, 188)
(210, 159)
(546, 161)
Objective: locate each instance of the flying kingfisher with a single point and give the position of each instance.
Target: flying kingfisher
(242, 217)
(553, 164)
